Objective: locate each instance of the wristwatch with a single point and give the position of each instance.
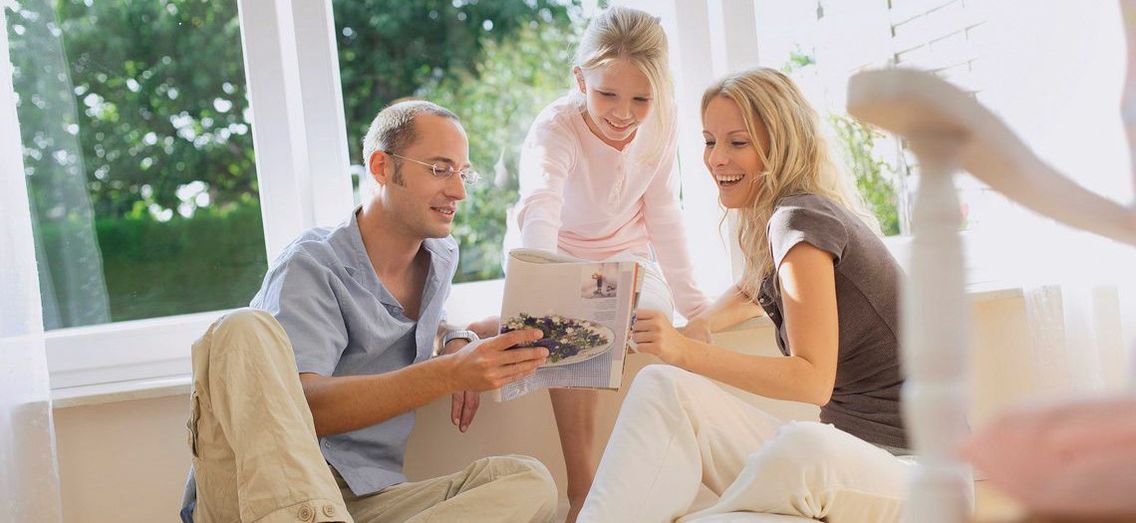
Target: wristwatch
(461, 334)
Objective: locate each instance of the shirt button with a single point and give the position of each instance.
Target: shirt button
(329, 510)
(305, 513)
(326, 444)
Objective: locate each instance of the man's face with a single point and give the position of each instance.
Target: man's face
(424, 204)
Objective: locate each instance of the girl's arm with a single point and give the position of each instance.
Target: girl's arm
(731, 308)
(808, 290)
(547, 156)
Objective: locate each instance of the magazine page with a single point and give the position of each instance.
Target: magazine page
(584, 309)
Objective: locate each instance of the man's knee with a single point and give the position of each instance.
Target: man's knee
(244, 321)
(538, 487)
(246, 327)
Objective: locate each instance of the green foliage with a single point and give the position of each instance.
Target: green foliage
(857, 145)
(797, 59)
(158, 96)
(858, 142)
(495, 80)
(126, 103)
(214, 260)
(390, 49)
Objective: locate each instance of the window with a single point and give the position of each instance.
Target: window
(139, 157)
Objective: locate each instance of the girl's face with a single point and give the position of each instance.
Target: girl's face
(619, 99)
(731, 153)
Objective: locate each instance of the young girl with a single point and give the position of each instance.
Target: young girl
(598, 182)
(816, 266)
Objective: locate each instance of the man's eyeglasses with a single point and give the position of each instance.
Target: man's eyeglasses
(468, 175)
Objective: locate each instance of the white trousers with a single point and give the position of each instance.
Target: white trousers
(677, 431)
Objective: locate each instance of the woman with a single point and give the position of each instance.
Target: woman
(598, 183)
(815, 264)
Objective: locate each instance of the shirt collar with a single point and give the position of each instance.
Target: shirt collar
(443, 255)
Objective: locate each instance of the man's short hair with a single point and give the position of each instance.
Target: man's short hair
(393, 128)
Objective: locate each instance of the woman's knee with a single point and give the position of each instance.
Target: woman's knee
(799, 445)
(656, 378)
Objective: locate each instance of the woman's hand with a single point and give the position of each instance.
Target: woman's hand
(654, 334)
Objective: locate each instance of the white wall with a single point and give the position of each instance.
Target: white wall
(127, 461)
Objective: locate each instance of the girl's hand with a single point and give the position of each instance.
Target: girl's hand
(654, 334)
(697, 329)
(487, 328)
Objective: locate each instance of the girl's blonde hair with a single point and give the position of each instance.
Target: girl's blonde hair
(797, 161)
(635, 36)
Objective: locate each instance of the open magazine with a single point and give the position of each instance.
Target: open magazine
(585, 310)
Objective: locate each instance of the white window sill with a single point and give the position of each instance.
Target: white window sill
(87, 395)
(463, 308)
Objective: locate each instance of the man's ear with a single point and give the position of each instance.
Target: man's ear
(377, 167)
(579, 74)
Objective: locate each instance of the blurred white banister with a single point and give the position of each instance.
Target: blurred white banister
(948, 129)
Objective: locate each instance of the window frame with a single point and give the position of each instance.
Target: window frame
(302, 162)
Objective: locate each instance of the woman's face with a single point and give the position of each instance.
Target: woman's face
(619, 99)
(731, 153)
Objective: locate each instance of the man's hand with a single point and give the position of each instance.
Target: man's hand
(490, 363)
(654, 334)
(463, 404)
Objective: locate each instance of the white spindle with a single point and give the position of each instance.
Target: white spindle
(948, 130)
(1128, 97)
(935, 337)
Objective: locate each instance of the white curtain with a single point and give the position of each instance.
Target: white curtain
(72, 288)
(1056, 77)
(29, 479)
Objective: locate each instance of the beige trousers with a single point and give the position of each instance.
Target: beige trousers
(256, 456)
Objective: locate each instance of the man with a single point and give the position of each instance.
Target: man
(353, 311)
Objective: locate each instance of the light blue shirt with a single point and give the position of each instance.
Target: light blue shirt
(342, 321)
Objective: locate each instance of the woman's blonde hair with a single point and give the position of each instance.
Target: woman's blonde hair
(635, 36)
(797, 161)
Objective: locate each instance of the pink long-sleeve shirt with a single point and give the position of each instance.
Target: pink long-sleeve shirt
(584, 198)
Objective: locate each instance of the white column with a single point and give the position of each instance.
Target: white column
(325, 130)
(29, 474)
(708, 39)
(297, 109)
